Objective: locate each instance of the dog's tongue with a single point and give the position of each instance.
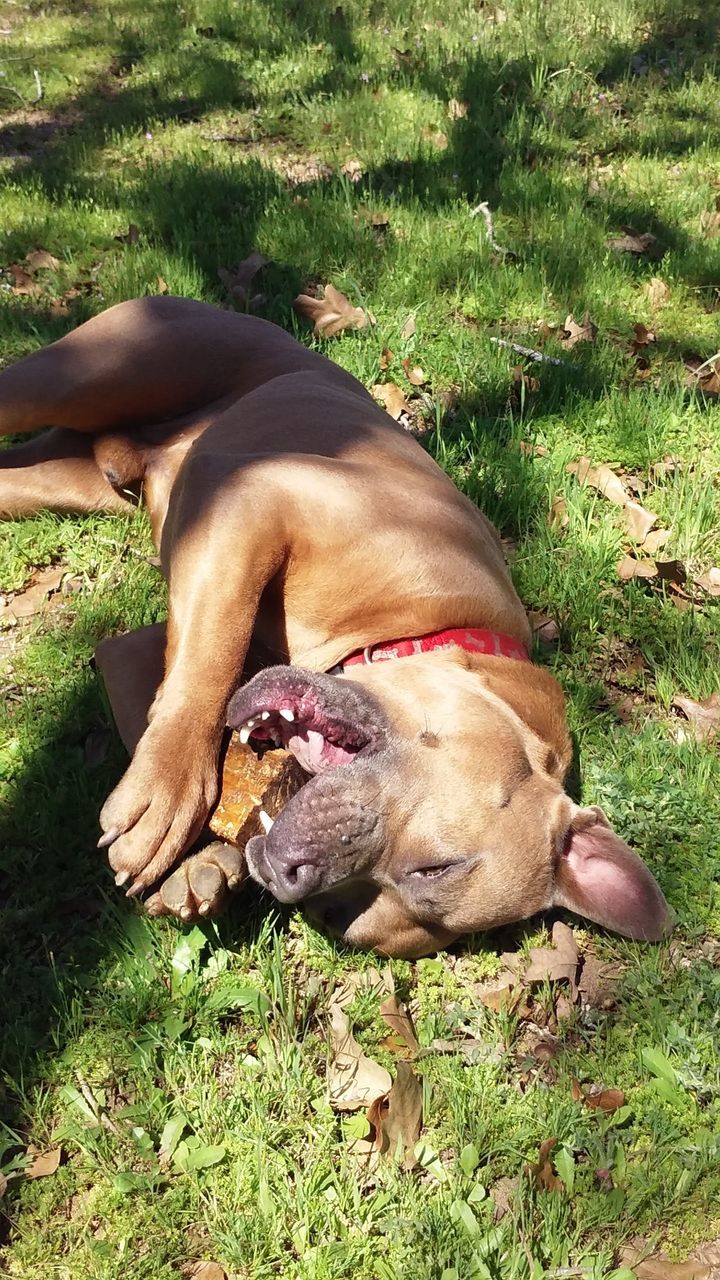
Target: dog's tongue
(314, 753)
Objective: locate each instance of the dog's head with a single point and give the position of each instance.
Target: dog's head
(437, 806)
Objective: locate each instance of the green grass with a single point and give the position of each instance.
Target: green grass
(582, 121)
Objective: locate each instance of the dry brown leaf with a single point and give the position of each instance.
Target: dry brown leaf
(386, 359)
(574, 332)
(204, 1271)
(33, 598)
(131, 236)
(645, 242)
(502, 1194)
(710, 582)
(398, 1019)
(436, 137)
(643, 337)
(331, 314)
(703, 716)
(545, 628)
(354, 1080)
(542, 1173)
(597, 1099)
(702, 375)
(558, 962)
(598, 982)
(638, 522)
(629, 568)
(44, 1163)
(655, 541)
(41, 260)
(353, 170)
(656, 1266)
(3, 1185)
(672, 571)
(558, 517)
(710, 222)
(602, 478)
(238, 279)
(414, 373)
(391, 397)
(24, 282)
(457, 108)
(408, 329)
(162, 286)
(657, 292)
(397, 1117)
(533, 450)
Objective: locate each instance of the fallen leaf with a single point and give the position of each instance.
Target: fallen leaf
(629, 568)
(502, 1194)
(533, 450)
(332, 313)
(710, 582)
(656, 1266)
(204, 1271)
(632, 242)
(397, 1117)
(545, 628)
(392, 397)
(457, 108)
(131, 236)
(703, 716)
(673, 571)
(162, 285)
(638, 522)
(558, 517)
(380, 222)
(657, 292)
(436, 137)
(352, 170)
(710, 222)
(238, 279)
(414, 374)
(655, 541)
(354, 1079)
(574, 332)
(386, 359)
(597, 1099)
(602, 478)
(523, 381)
(33, 598)
(41, 260)
(703, 375)
(563, 1008)
(542, 1173)
(558, 962)
(643, 336)
(408, 329)
(24, 282)
(398, 1019)
(44, 1163)
(598, 982)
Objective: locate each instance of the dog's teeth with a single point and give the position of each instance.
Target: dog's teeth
(244, 734)
(265, 715)
(287, 714)
(266, 820)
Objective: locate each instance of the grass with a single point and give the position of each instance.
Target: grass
(215, 128)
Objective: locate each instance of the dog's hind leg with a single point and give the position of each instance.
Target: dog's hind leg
(56, 471)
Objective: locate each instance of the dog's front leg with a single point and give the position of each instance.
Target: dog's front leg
(219, 564)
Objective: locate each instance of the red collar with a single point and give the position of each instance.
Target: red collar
(471, 638)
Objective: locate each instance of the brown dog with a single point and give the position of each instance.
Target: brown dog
(291, 512)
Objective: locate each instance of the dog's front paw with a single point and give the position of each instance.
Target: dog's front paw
(157, 809)
(199, 887)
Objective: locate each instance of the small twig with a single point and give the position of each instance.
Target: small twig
(568, 1271)
(537, 356)
(38, 85)
(484, 209)
(100, 1115)
(706, 363)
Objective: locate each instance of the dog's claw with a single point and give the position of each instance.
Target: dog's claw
(122, 878)
(108, 838)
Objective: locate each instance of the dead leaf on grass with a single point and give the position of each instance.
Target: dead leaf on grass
(24, 282)
(545, 628)
(598, 982)
(414, 374)
(657, 292)
(629, 568)
(638, 521)
(331, 314)
(41, 260)
(710, 223)
(394, 1013)
(237, 280)
(386, 359)
(597, 1099)
(542, 1173)
(44, 1163)
(131, 236)
(162, 286)
(397, 1117)
(656, 1266)
(204, 1271)
(435, 137)
(353, 170)
(556, 963)
(655, 541)
(502, 1194)
(602, 478)
(33, 598)
(703, 375)
(558, 517)
(391, 397)
(529, 450)
(457, 108)
(408, 329)
(574, 332)
(354, 1079)
(632, 242)
(672, 571)
(710, 582)
(703, 716)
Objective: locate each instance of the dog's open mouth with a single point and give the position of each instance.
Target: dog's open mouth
(323, 720)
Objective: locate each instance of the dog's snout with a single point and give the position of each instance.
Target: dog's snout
(286, 871)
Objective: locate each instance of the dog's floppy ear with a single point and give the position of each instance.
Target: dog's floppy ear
(600, 877)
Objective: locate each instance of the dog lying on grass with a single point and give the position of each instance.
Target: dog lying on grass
(296, 520)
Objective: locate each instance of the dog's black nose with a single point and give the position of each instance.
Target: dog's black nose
(286, 871)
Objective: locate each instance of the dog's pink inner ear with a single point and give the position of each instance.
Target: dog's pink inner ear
(600, 877)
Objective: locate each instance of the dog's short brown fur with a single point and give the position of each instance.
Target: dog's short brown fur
(293, 515)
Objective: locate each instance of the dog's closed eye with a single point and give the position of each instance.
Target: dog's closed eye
(432, 871)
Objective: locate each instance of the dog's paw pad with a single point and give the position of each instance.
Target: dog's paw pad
(198, 888)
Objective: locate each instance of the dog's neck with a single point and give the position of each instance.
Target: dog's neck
(473, 639)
